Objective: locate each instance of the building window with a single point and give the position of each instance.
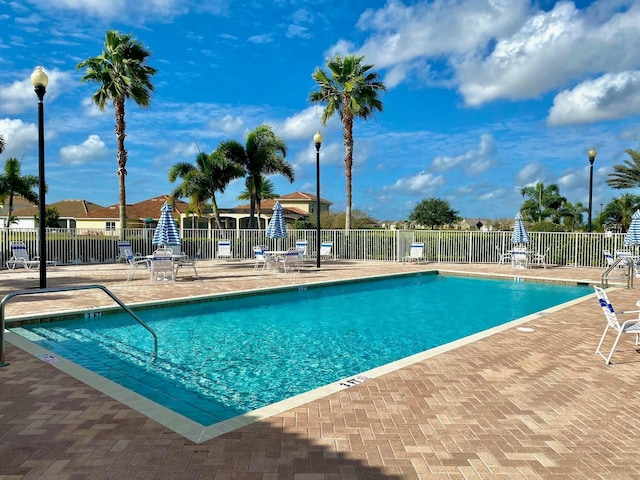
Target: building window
(110, 226)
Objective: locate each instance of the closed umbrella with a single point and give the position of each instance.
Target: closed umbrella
(277, 227)
(633, 234)
(166, 233)
(519, 231)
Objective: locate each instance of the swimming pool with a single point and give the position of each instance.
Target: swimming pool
(224, 358)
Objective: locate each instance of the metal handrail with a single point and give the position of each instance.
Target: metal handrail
(628, 265)
(69, 289)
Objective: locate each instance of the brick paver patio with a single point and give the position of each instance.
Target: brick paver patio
(514, 405)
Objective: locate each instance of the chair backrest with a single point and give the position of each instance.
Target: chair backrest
(172, 249)
(625, 254)
(224, 248)
(301, 246)
(124, 246)
(608, 257)
(325, 248)
(292, 254)
(417, 250)
(162, 257)
(19, 250)
(607, 308)
(519, 253)
(258, 252)
(128, 255)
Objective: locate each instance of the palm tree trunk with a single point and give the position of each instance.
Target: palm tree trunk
(216, 212)
(118, 105)
(348, 162)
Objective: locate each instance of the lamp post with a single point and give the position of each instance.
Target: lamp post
(592, 157)
(317, 140)
(40, 81)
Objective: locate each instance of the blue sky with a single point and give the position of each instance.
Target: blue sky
(484, 96)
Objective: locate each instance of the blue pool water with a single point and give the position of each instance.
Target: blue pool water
(223, 358)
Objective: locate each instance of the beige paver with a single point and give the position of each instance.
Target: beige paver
(537, 404)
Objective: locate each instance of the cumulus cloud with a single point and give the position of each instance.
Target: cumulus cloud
(93, 148)
(424, 183)
(114, 8)
(609, 97)
(19, 96)
(19, 136)
(530, 175)
(475, 160)
(229, 124)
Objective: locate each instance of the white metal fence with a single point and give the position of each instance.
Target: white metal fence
(441, 246)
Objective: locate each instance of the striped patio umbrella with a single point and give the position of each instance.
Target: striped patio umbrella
(166, 233)
(633, 234)
(519, 232)
(277, 227)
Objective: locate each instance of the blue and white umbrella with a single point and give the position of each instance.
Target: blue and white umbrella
(277, 227)
(519, 232)
(166, 232)
(633, 234)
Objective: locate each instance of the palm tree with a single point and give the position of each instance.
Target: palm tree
(12, 183)
(572, 214)
(266, 192)
(627, 175)
(200, 182)
(350, 89)
(263, 154)
(543, 203)
(122, 74)
(3, 144)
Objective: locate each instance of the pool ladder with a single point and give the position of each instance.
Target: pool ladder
(618, 265)
(69, 289)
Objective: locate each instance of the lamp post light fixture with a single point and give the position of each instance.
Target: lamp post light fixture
(40, 82)
(317, 140)
(592, 158)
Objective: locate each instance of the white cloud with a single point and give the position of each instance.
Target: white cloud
(424, 183)
(475, 160)
(114, 8)
(609, 97)
(230, 124)
(265, 38)
(91, 149)
(530, 175)
(20, 96)
(19, 137)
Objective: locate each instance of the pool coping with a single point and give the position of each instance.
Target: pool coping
(199, 433)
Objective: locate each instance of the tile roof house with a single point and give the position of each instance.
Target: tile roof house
(144, 214)
(68, 211)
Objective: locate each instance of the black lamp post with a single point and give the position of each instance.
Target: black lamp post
(40, 81)
(317, 139)
(592, 158)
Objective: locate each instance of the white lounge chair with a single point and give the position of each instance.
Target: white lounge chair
(190, 262)
(301, 246)
(541, 258)
(125, 249)
(629, 326)
(291, 259)
(224, 250)
(519, 257)
(416, 253)
(20, 258)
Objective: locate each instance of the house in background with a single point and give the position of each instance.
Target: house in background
(295, 206)
(144, 214)
(68, 211)
(19, 202)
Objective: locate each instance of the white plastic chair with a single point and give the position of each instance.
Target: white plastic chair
(162, 265)
(504, 257)
(301, 246)
(135, 263)
(325, 250)
(20, 258)
(416, 252)
(629, 326)
(263, 259)
(541, 258)
(519, 257)
(190, 262)
(291, 259)
(224, 250)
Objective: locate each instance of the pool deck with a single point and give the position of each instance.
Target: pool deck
(511, 405)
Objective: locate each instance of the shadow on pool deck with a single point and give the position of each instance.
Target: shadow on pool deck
(526, 405)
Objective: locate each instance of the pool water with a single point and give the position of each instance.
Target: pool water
(219, 359)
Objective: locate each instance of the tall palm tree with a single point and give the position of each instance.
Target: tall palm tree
(200, 182)
(266, 192)
(122, 74)
(263, 154)
(542, 203)
(351, 90)
(627, 175)
(12, 183)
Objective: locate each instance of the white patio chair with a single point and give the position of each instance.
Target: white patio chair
(416, 253)
(325, 250)
(504, 257)
(125, 249)
(541, 258)
(301, 246)
(189, 262)
(135, 263)
(519, 257)
(224, 250)
(162, 265)
(20, 258)
(262, 258)
(291, 259)
(630, 326)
